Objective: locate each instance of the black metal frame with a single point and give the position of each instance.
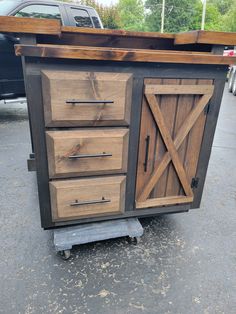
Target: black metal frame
(33, 66)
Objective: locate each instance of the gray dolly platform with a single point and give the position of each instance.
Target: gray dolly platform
(65, 238)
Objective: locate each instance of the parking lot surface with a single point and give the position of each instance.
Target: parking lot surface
(184, 263)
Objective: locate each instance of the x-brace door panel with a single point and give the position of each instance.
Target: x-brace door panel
(172, 126)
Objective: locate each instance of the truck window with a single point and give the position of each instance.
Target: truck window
(96, 22)
(82, 18)
(40, 11)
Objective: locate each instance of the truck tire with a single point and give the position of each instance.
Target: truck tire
(231, 75)
(234, 84)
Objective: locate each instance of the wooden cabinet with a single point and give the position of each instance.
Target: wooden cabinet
(140, 155)
(172, 123)
(122, 123)
(77, 98)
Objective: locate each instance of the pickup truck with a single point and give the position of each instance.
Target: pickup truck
(70, 14)
(231, 51)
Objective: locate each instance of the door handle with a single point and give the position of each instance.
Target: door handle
(77, 203)
(88, 101)
(80, 156)
(145, 164)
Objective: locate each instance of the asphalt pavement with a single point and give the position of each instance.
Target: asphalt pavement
(184, 263)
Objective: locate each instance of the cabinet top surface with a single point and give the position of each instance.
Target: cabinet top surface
(56, 41)
(53, 27)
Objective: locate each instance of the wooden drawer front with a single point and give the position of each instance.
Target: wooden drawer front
(72, 199)
(86, 98)
(87, 152)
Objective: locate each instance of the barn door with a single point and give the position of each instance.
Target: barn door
(172, 126)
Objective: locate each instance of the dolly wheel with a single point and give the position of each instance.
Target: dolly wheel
(133, 240)
(65, 254)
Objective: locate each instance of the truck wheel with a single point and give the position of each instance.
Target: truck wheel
(234, 84)
(231, 75)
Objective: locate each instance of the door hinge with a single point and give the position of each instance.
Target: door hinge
(207, 109)
(194, 183)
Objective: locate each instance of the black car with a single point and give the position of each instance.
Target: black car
(11, 74)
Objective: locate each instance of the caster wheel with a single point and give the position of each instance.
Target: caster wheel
(133, 240)
(65, 254)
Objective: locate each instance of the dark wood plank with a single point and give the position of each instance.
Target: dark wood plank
(206, 37)
(174, 89)
(113, 47)
(115, 32)
(195, 140)
(146, 147)
(208, 136)
(96, 40)
(184, 107)
(159, 149)
(168, 108)
(163, 201)
(117, 54)
(11, 24)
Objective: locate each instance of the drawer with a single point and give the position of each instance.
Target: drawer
(82, 198)
(87, 152)
(86, 98)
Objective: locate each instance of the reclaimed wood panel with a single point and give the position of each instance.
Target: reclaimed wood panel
(180, 120)
(195, 138)
(86, 98)
(173, 186)
(81, 198)
(115, 32)
(174, 89)
(168, 107)
(87, 152)
(146, 147)
(162, 201)
(119, 54)
(205, 37)
(96, 40)
(48, 26)
(12, 24)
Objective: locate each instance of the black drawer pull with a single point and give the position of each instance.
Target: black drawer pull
(88, 101)
(103, 200)
(145, 164)
(90, 156)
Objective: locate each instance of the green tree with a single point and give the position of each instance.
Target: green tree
(223, 6)
(131, 14)
(108, 14)
(229, 20)
(213, 19)
(179, 15)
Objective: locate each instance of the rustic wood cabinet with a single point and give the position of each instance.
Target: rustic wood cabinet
(122, 122)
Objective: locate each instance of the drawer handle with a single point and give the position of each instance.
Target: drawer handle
(103, 200)
(145, 164)
(88, 101)
(90, 155)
